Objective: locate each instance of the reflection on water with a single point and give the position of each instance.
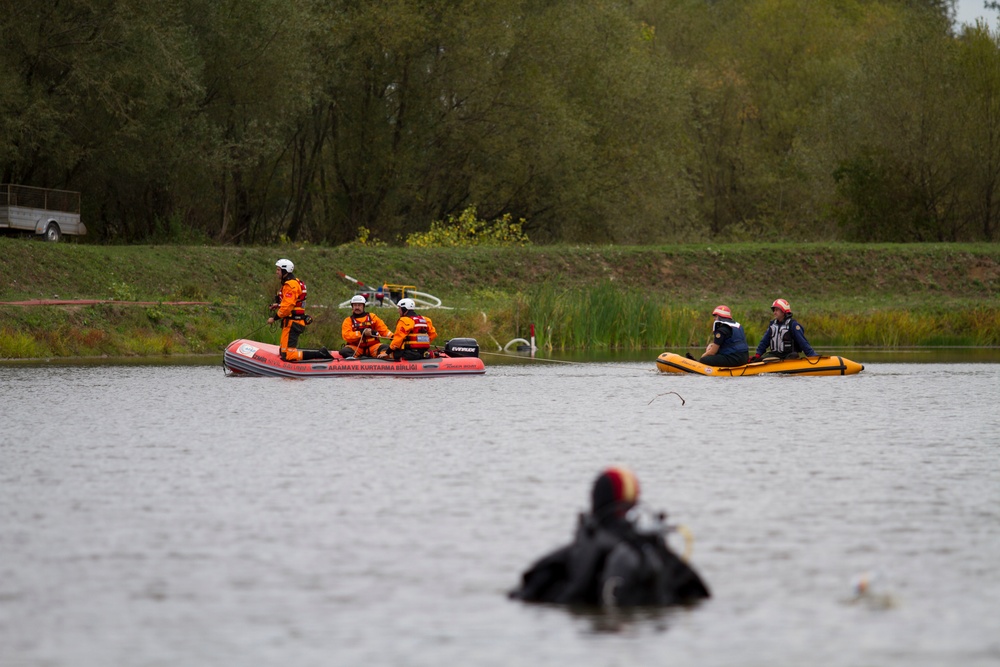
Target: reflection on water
(157, 514)
(626, 621)
(928, 355)
(907, 355)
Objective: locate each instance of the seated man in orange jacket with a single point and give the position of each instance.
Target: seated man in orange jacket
(362, 330)
(414, 333)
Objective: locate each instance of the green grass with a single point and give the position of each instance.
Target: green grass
(19, 345)
(578, 297)
(224, 274)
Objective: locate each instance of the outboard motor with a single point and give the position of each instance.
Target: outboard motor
(462, 347)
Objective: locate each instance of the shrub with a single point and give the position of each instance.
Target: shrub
(469, 230)
(122, 291)
(366, 238)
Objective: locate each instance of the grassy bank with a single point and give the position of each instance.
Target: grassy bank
(578, 297)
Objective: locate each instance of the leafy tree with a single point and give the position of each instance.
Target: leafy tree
(554, 113)
(90, 87)
(775, 66)
(596, 152)
(978, 160)
(257, 87)
(648, 120)
(905, 114)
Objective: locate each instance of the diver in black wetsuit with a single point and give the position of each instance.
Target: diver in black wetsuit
(612, 562)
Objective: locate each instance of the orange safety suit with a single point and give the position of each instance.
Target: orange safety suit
(413, 336)
(361, 345)
(292, 313)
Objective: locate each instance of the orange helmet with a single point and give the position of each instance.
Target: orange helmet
(723, 311)
(782, 305)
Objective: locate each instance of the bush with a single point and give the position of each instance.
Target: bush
(468, 230)
(366, 238)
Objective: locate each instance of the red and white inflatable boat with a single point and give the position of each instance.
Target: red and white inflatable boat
(248, 357)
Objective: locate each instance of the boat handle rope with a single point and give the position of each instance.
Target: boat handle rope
(516, 356)
(249, 334)
(809, 360)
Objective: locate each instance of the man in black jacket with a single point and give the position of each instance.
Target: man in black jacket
(613, 560)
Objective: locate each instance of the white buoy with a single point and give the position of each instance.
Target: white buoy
(871, 589)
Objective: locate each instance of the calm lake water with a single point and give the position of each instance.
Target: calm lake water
(168, 515)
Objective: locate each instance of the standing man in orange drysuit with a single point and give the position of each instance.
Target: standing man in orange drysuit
(289, 307)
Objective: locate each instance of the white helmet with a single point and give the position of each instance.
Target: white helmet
(357, 298)
(406, 304)
(285, 265)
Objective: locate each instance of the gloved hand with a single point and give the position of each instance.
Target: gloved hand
(754, 358)
(366, 333)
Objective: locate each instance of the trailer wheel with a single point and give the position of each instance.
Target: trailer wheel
(52, 233)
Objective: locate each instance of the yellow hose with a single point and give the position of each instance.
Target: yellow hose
(688, 541)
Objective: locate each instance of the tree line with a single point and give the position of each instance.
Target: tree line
(628, 121)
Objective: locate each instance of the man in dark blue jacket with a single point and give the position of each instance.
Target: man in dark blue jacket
(728, 346)
(784, 338)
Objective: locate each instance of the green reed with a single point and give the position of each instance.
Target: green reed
(607, 317)
(978, 327)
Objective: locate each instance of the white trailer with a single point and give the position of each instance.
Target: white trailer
(47, 213)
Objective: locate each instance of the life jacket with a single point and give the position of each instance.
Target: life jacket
(298, 310)
(418, 338)
(737, 342)
(782, 339)
(363, 322)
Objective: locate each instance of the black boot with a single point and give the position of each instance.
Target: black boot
(313, 355)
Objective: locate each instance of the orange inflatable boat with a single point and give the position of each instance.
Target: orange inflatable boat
(247, 357)
(668, 362)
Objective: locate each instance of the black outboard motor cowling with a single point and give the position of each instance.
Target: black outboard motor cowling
(462, 347)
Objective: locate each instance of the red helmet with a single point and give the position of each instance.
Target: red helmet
(723, 311)
(782, 305)
(614, 489)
